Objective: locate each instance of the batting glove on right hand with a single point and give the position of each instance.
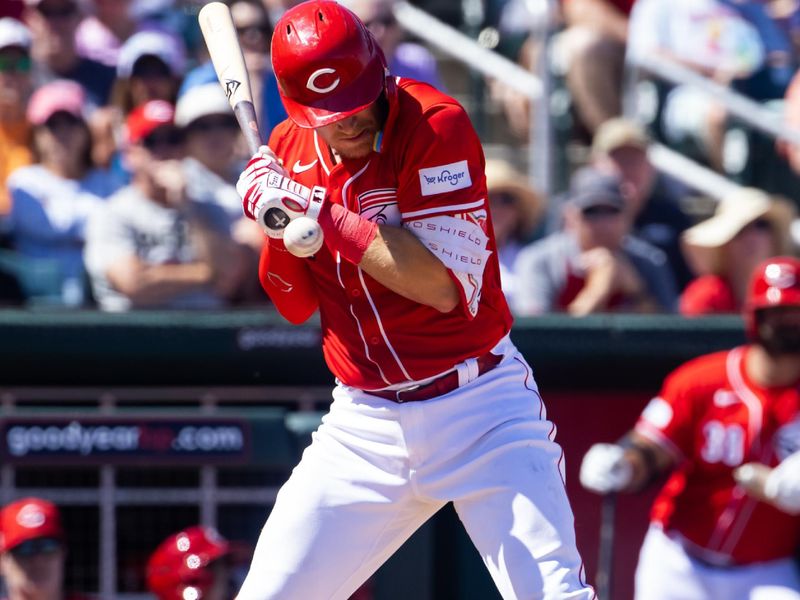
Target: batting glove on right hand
(783, 485)
(272, 199)
(605, 469)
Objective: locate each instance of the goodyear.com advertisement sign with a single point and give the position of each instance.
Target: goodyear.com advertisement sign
(123, 440)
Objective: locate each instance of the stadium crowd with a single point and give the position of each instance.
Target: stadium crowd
(119, 157)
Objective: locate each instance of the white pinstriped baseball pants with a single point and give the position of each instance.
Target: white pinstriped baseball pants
(377, 470)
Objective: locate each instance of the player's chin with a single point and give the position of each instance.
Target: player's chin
(359, 147)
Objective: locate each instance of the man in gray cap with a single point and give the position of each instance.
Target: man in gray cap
(594, 264)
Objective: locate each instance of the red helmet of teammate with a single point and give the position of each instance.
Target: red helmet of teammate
(775, 282)
(178, 569)
(327, 63)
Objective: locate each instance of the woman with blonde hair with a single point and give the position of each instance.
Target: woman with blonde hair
(748, 227)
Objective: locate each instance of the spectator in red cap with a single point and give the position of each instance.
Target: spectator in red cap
(32, 550)
(194, 563)
(153, 245)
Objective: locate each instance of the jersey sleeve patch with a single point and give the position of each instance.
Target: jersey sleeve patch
(460, 244)
(444, 178)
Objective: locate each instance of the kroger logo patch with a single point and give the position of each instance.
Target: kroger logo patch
(445, 178)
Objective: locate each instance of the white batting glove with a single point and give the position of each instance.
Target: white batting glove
(604, 469)
(783, 485)
(272, 199)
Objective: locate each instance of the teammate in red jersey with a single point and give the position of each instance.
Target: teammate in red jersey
(708, 539)
(432, 402)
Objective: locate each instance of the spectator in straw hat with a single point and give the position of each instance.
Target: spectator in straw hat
(620, 148)
(516, 211)
(747, 228)
(32, 551)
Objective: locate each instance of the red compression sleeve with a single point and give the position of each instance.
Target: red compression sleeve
(287, 281)
(346, 232)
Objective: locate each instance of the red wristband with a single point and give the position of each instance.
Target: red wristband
(346, 232)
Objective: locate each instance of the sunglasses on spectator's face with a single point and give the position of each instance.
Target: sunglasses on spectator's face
(763, 225)
(600, 211)
(163, 138)
(64, 11)
(36, 546)
(253, 31)
(502, 198)
(150, 66)
(15, 64)
(62, 120)
(208, 124)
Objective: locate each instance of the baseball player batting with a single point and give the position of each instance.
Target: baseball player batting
(708, 538)
(433, 403)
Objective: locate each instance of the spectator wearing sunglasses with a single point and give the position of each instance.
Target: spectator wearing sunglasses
(594, 265)
(32, 551)
(215, 157)
(254, 30)
(15, 87)
(747, 227)
(152, 245)
(52, 198)
(53, 24)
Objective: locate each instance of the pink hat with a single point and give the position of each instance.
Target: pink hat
(58, 96)
(28, 519)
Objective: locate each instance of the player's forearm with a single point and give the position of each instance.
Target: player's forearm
(398, 260)
(286, 280)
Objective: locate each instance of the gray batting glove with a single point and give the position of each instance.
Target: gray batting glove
(605, 469)
(783, 485)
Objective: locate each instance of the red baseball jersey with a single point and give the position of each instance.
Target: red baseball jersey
(426, 174)
(712, 418)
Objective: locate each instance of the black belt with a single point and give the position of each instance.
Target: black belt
(439, 386)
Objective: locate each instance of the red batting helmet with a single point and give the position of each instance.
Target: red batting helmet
(775, 282)
(327, 63)
(178, 569)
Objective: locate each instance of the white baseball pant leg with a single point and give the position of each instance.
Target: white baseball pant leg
(376, 470)
(666, 572)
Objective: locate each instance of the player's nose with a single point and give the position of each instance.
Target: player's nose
(348, 124)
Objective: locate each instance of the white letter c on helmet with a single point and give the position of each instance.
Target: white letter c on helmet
(313, 78)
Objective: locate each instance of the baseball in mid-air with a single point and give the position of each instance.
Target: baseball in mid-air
(303, 237)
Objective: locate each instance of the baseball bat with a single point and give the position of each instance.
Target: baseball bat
(220, 36)
(605, 552)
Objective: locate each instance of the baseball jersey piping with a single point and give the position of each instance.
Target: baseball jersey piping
(319, 155)
(345, 187)
(380, 326)
(751, 401)
(726, 535)
(338, 259)
(444, 209)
